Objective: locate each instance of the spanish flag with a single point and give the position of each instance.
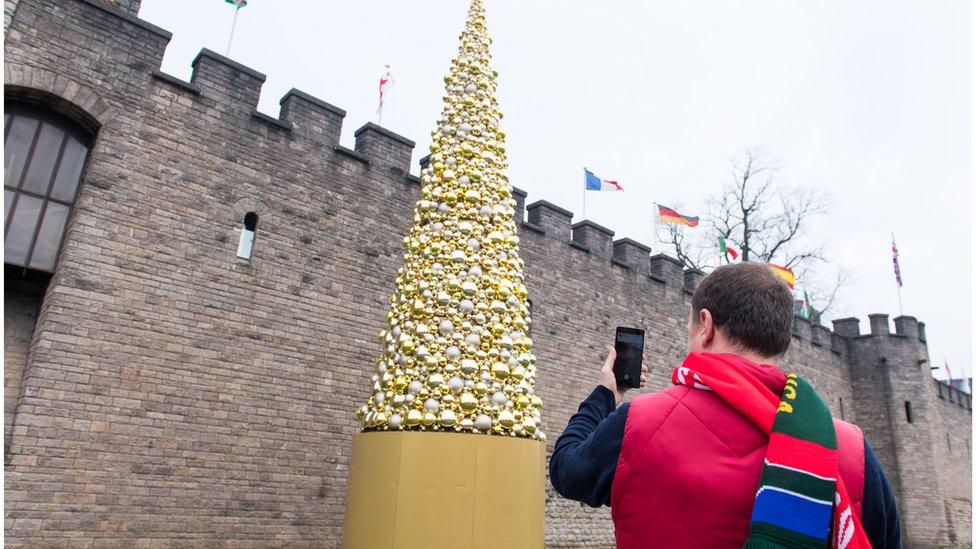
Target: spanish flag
(667, 215)
(784, 273)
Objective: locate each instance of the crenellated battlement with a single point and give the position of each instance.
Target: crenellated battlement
(693, 278)
(311, 117)
(818, 335)
(545, 218)
(597, 239)
(905, 326)
(238, 87)
(846, 330)
(951, 394)
(233, 84)
(633, 255)
(378, 143)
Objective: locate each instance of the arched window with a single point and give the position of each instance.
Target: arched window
(44, 156)
(248, 233)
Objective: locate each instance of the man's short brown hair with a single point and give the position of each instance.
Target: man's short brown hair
(752, 306)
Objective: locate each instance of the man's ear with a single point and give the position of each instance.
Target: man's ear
(706, 326)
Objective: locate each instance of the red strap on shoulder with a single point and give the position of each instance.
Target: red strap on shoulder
(850, 442)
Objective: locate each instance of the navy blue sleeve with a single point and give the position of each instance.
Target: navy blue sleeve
(879, 512)
(585, 458)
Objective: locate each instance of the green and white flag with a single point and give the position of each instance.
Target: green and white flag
(239, 3)
(805, 309)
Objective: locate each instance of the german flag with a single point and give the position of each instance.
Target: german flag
(667, 215)
(784, 273)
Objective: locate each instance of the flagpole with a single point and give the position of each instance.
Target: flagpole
(232, 27)
(657, 219)
(584, 193)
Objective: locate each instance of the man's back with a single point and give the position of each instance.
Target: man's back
(689, 467)
(680, 468)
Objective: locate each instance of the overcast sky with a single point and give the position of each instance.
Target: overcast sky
(869, 101)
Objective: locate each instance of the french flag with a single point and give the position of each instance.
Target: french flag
(594, 183)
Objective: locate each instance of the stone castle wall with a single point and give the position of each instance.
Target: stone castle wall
(22, 302)
(953, 449)
(175, 394)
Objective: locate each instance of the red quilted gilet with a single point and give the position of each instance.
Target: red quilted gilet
(689, 468)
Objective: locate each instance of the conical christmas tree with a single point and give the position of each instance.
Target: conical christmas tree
(456, 354)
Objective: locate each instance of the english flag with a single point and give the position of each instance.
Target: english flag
(386, 82)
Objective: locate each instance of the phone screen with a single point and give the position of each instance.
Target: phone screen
(629, 345)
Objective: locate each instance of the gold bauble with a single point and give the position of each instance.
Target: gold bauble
(468, 402)
(468, 366)
(506, 419)
(500, 370)
(412, 418)
(448, 418)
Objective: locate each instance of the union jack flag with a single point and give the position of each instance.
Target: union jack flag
(894, 261)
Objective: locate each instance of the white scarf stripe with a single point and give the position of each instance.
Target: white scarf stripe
(801, 496)
(781, 466)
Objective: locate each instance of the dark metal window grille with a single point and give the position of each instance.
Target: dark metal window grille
(44, 157)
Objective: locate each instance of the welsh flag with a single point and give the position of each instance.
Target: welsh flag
(239, 3)
(724, 247)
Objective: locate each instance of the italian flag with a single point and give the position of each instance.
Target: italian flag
(726, 249)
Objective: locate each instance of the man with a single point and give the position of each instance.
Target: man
(737, 453)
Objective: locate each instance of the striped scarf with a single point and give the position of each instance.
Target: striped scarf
(801, 500)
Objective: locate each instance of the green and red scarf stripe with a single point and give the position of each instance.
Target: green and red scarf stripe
(801, 500)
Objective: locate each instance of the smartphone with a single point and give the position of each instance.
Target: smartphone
(629, 344)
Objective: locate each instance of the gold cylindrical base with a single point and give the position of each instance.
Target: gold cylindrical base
(445, 490)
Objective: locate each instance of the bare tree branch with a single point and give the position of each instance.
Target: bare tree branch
(767, 221)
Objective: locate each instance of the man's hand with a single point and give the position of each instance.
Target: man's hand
(609, 380)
